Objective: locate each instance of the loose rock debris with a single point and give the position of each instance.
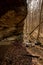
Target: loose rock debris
(15, 55)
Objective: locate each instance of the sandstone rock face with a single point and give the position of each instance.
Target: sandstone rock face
(12, 11)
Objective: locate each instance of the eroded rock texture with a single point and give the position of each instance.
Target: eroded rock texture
(12, 14)
(16, 9)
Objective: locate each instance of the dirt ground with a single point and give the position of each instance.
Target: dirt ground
(14, 55)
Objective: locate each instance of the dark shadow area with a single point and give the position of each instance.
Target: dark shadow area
(14, 55)
(6, 5)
